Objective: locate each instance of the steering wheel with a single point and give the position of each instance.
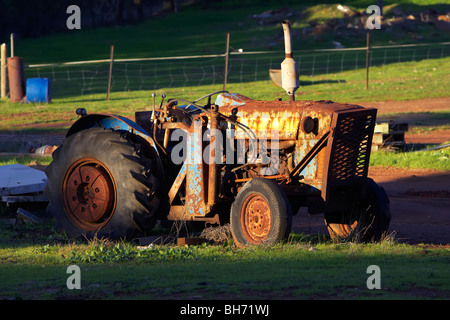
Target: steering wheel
(209, 97)
(202, 108)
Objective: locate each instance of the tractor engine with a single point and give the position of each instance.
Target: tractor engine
(322, 146)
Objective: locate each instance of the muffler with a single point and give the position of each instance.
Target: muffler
(289, 67)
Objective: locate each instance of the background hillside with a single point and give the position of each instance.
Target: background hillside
(199, 27)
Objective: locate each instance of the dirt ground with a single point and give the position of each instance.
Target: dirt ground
(423, 105)
(419, 198)
(419, 202)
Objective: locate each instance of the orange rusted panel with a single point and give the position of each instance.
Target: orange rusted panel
(283, 116)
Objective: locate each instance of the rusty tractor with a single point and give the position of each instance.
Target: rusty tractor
(247, 162)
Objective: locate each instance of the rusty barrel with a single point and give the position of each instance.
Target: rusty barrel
(16, 79)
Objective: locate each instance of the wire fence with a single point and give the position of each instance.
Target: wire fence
(89, 77)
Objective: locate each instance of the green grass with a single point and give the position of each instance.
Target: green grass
(35, 268)
(25, 160)
(437, 160)
(400, 81)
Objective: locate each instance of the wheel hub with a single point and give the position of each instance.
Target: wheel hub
(256, 218)
(89, 194)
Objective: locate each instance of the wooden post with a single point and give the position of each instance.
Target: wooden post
(12, 44)
(110, 72)
(3, 71)
(227, 54)
(367, 59)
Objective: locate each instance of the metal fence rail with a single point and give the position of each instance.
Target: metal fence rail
(89, 77)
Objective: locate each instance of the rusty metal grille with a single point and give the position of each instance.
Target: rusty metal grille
(349, 147)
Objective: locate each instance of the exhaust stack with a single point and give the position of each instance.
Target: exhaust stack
(289, 67)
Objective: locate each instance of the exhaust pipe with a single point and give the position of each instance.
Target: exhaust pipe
(289, 67)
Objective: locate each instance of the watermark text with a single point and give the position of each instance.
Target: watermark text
(74, 20)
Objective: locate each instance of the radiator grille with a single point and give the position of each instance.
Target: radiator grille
(349, 146)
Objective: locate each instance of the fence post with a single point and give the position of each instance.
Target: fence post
(3, 71)
(110, 72)
(367, 59)
(227, 54)
(12, 44)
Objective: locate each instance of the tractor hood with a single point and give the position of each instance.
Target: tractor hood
(283, 116)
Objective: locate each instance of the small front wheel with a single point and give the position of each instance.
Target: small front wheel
(261, 214)
(369, 221)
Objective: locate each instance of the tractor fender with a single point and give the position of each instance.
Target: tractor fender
(117, 123)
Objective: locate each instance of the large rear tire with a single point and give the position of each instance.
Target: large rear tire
(261, 214)
(101, 184)
(369, 221)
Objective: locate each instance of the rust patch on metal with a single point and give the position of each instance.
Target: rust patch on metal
(284, 116)
(256, 218)
(89, 194)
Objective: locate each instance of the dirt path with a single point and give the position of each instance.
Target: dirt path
(422, 105)
(420, 203)
(432, 137)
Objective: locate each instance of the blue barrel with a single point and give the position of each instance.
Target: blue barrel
(38, 90)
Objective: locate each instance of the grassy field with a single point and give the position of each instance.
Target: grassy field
(34, 261)
(25, 160)
(437, 159)
(400, 81)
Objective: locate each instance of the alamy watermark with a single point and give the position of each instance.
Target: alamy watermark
(374, 280)
(74, 280)
(374, 20)
(74, 20)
